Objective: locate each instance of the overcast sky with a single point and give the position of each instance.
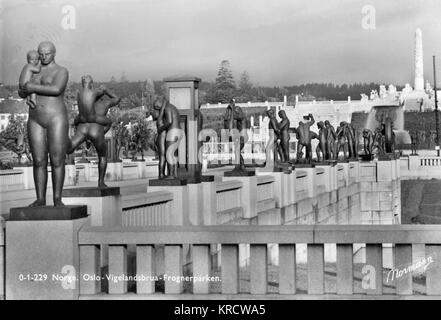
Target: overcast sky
(279, 42)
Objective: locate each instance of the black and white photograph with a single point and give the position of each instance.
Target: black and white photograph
(221, 155)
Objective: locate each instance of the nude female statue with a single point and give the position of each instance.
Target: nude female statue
(48, 124)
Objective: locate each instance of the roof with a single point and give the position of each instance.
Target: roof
(13, 106)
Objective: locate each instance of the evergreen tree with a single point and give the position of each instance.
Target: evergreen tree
(245, 92)
(224, 85)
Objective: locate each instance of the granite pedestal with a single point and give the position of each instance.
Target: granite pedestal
(42, 259)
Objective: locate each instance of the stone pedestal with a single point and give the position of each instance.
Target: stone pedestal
(28, 176)
(209, 202)
(327, 176)
(103, 204)
(414, 162)
(114, 171)
(87, 171)
(141, 168)
(248, 194)
(42, 259)
(179, 205)
(70, 178)
(384, 171)
(195, 204)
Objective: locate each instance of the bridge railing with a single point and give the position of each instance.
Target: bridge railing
(228, 195)
(11, 180)
(151, 209)
(312, 276)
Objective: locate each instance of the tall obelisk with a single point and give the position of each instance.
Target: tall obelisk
(419, 66)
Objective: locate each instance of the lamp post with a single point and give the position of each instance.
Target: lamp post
(436, 107)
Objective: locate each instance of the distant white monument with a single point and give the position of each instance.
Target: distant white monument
(419, 65)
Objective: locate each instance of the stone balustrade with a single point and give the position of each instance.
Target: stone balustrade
(294, 279)
(151, 209)
(11, 180)
(2, 260)
(420, 167)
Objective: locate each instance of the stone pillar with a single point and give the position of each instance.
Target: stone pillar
(384, 171)
(141, 169)
(180, 204)
(209, 202)
(248, 194)
(114, 171)
(312, 188)
(42, 259)
(195, 204)
(87, 171)
(327, 174)
(414, 162)
(419, 64)
(103, 204)
(28, 176)
(70, 175)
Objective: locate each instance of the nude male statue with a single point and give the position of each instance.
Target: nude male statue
(48, 124)
(322, 147)
(368, 141)
(284, 135)
(94, 131)
(234, 114)
(304, 137)
(274, 126)
(331, 140)
(343, 137)
(87, 96)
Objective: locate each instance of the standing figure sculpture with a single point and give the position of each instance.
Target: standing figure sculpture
(304, 137)
(284, 136)
(332, 141)
(48, 124)
(322, 147)
(234, 118)
(342, 140)
(368, 142)
(379, 141)
(353, 143)
(274, 132)
(92, 106)
(414, 138)
(170, 134)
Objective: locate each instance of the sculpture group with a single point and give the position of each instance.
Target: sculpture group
(42, 83)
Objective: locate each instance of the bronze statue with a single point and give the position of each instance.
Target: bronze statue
(331, 141)
(170, 133)
(234, 115)
(87, 96)
(48, 124)
(33, 67)
(92, 106)
(304, 137)
(352, 141)
(368, 142)
(414, 137)
(342, 140)
(274, 126)
(284, 136)
(379, 141)
(322, 147)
